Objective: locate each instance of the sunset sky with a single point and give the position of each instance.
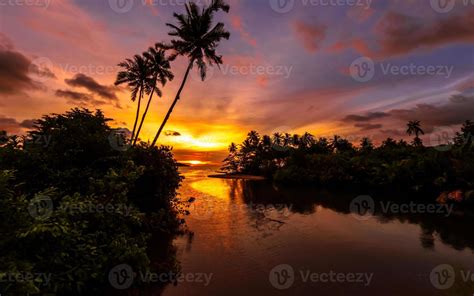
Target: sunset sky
(288, 68)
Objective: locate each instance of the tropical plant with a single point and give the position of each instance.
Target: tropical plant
(197, 39)
(136, 75)
(414, 128)
(160, 71)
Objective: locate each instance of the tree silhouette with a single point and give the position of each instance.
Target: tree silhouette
(414, 128)
(136, 75)
(160, 69)
(197, 39)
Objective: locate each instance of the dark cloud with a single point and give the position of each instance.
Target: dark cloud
(12, 125)
(28, 123)
(7, 123)
(79, 98)
(16, 70)
(14, 73)
(172, 134)
(400, 34)
(368, 126)
(431, 116)
(367, 117)
(81, 80)
(310, 35)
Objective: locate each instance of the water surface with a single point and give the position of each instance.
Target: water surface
(244, 229)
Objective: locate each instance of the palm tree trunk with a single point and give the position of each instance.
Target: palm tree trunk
(138, 114)
(146, 111)
(174, 103)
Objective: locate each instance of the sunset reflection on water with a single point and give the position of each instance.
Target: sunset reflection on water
(243, 229)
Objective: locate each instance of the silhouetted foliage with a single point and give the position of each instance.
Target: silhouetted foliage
(69, 161)
(393, 165)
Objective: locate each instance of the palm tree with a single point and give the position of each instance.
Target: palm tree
(136, 76)
(159, 67)
(366, 145)
(277, 139)
(307, 140)
(414, 127)
(197, 39)
(287, 140)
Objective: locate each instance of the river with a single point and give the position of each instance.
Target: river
(253, 238)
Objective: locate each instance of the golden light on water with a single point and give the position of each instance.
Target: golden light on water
(194, 162)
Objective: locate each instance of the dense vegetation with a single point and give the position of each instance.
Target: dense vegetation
(74, 205)
(398, 165)
(78, 198)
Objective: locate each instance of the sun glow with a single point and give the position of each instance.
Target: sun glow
(194, 162)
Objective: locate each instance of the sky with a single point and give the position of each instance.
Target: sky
(349, 67)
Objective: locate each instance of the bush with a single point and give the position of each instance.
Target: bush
(73, 207)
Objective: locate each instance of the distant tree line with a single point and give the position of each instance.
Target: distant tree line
(306, 159)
